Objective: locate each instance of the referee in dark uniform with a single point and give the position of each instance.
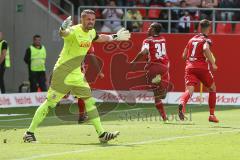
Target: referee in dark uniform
(35, 58)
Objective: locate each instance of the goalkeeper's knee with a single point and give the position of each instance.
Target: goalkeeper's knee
(51, 103)
(89, 102)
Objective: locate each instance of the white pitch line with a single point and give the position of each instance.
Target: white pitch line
(12, 115)
(125, 144)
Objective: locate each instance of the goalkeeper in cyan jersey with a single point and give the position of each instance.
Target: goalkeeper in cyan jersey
(67, 76)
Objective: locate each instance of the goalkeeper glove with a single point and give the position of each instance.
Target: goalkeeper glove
(122, 35)
(66, 23)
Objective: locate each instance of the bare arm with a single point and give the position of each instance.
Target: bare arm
(96, 64)
(140, 55)
(104, 38)
(184, 55)
(208, 54)
(3, 55)
(121, 35)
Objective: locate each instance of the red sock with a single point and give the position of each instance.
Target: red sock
(184, 99)
(160, 108)
(212, 102)
(81, 107)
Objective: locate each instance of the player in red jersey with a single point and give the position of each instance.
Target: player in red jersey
(199, 61)
(81, 105)
(157, 67)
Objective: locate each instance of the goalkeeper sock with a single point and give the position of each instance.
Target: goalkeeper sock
(81, 107)
(40, 114)
(212, 102)
(93, 115)
(184, 99)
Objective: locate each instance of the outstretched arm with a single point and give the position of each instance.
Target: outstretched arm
(121, 35)
(144, 50)
(140, 55)
(97, 65)
(64, 30)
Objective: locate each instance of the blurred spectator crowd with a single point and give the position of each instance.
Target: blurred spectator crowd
(181, 18)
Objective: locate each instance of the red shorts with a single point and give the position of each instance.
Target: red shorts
(154, 69)
(194, 75)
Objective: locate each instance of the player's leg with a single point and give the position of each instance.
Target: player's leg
(92, 111)
(57, 90)
(212, 103)
(156, 74)
(212, 99)
(162, 83)
(208, 80)
(95, 119)
(158, 96)
(183, 101)
(81, 108)
(53, 98)
(84, 92)
(190, 81)
(186, 96)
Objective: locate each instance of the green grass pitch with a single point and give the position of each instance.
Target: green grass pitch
(143, 135)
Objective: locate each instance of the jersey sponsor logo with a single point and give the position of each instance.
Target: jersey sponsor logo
(197, 39)
(85, 44)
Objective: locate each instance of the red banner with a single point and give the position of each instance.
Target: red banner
(115, 57)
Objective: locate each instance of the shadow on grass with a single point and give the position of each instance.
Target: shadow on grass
(180, 123)
(93, 144)
(226, 127)
(109, 112)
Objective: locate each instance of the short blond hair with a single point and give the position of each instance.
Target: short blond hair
(205, 24)
(87, 11)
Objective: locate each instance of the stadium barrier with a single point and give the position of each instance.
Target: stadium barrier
(130, 97)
